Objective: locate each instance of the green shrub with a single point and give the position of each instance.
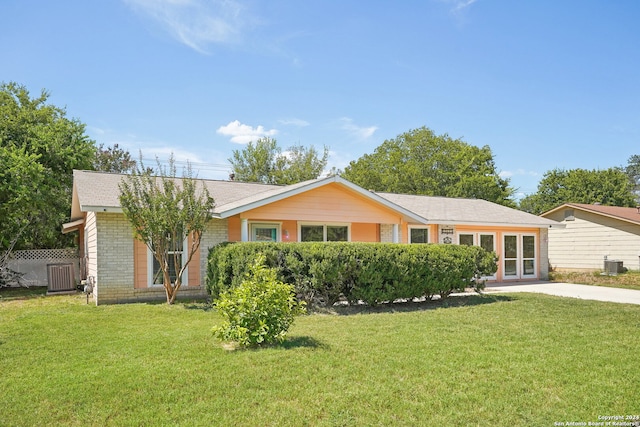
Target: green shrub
(323, 273)
(258, 311)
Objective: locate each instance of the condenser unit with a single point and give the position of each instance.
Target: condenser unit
(61, 277)
(613, 267)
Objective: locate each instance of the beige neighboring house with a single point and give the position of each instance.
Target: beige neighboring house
(591, 234)
(327, 209)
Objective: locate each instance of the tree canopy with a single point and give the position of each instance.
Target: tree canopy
(113, 159)
(169, 216)
(265, 162)
(39, 148)
(609, 187)
(633, 172)
(423, 163)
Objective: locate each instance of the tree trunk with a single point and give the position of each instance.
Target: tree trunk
(171, 292)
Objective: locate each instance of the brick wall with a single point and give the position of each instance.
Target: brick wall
(115, 266)
(386, 233)
(114, 258)
(217, 232)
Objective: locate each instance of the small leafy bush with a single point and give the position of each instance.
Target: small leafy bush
(258, 311)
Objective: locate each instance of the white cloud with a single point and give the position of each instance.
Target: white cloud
(243, 134)
(459, 5)
(294, 122)
(360, 132)
(195, 23)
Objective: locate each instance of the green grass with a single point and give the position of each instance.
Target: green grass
(628, 280)
(520, 359)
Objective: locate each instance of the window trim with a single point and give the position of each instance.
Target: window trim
(477, 240)
(520, 259)
(419, 227)
(324, 228)
(265, 224)
(150, 262)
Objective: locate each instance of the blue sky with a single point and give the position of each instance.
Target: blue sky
(546, 84)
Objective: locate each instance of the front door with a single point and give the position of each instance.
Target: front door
(519, 256)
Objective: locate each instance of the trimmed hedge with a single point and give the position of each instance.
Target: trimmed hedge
(323, 273)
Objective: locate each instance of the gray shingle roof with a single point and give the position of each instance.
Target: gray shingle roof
(448, 210)
(99, 190)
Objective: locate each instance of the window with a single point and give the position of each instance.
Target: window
(466, 239)
(176, 260)
(265, 232)
(528, 255)
(337, 233)
(569, 215)
(519, 255)
(418, 235)
(510, 256)
(324, 233)
(485, 240)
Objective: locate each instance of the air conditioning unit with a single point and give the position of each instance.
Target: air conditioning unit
(613, 267)
(61, 277)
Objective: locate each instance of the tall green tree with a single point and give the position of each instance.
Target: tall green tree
(423, 163)
(609, 187)
(265, 162)
(169, 215)
(39, 148)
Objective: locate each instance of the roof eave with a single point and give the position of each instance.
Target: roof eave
(591, 211)
(108, 209)
(497, 224)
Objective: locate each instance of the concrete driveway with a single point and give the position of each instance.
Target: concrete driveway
(598, 293)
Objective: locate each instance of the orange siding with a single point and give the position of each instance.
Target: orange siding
(289, 230)
(140, 279)
(234, 228)
(193, 275)
(330, 203)
(365, 232)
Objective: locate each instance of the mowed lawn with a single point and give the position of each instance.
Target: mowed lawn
(520, 359)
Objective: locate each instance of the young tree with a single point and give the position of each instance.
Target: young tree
(265, 162)
(169, 215)
(610, 187)
(39, 148)
(423, 163)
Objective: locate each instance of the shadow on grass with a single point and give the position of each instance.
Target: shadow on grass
(202, 305)
(410, 306)
(11, 294)
(302, 342)
(290, 343)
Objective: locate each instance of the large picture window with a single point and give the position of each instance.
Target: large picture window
(324, 233)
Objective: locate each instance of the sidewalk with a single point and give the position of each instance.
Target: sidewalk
(598, 293)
